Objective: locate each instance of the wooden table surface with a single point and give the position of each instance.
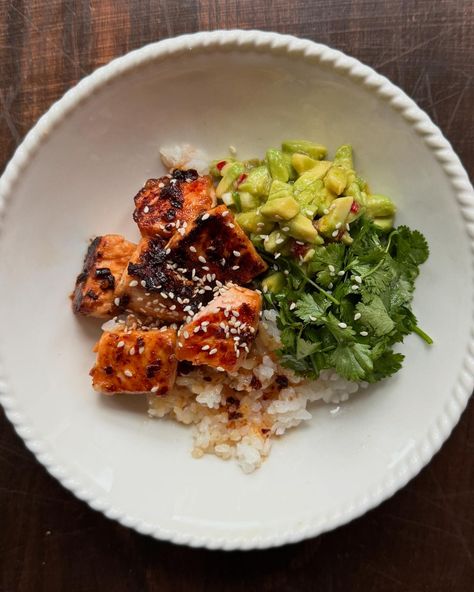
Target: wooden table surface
(422, 538)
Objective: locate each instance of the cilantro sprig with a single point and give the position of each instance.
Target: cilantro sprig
(349, 305)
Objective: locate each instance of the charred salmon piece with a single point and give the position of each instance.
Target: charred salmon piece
(221, 333)
(106, 258)
(164, 205)
(217, 244)
(152, 286)
(135, 362)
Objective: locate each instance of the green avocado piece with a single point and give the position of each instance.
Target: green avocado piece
(281, 208)
(317, 151)
(378, 206)
(214, 171)
(257, 182)
(343, 157)
(301, 228)
(292, 172)
(254, 222)
(274, 242)
(336, 179)
(277, 165)
(385, 224)
(248, 202)
(279, 189)
(307, 187)
(274, 282)
(336, 218)
(230, 173)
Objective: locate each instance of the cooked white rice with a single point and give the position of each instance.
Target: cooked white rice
(236, 415)
(182, 156)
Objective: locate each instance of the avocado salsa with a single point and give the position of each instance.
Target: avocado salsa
(341, 276)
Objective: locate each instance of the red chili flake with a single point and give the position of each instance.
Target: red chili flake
(220, 165)
(241, 179)
(299, 251)
(355, 207)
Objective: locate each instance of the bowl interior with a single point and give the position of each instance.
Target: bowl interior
(82, 182)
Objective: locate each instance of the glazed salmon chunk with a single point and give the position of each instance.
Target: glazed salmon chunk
(152, 286)
(221, 333)
(106, 258)
(171, 202)
(135, 362)
(216, 243)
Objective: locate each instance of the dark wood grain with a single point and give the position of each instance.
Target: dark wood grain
(420, 540)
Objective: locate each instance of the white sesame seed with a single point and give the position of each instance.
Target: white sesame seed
(205, 216)
(180, 344)
(205, 347)
(173, 307)
(186, 334)
(192, 249)
(143, 283)
(225, 213)
(277, 255)
(223, 261)
(286, 228)
(342, 325)
(341, 273)
(213, 351)
(335, 233)
(236, 253)
(128, 373)
(331, 286)
(338, 225)
(358, 279)
(292, 306)
(167, 251)
(146, 209)
(363, 333)
(325, 211)
(354, 287)
(154, 389)
(220, 368)
(205, 268)
(120, 343)
(279, 241)
(357, 316)
(164, 295)
(298, 242)
(348, 227)
(235, 267)
(141, 350)
(132, 351)
(117, 301)
(230, 225)
(161, 185)
(311, 318)
(331, 268)
(133, 283)
(236, 314)
(264, 236)
(202, 259)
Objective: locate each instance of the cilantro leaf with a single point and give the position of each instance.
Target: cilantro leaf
(410, 246)
(384, 366)
(311, 307)
(352, 360)
(374, 315)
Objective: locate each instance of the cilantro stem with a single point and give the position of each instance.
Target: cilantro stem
(423, 335)
(328, 296)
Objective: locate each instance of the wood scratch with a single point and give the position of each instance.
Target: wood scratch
(6, 115)
(458, 103)
(412, 49)
(168, 25)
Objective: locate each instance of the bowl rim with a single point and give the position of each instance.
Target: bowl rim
(277, 44)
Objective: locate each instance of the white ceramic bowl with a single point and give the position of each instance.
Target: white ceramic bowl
(74, 176)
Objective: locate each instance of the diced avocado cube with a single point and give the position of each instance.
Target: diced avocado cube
(353, 190)
(254, 222)
(336, 179)
(248, 201)
(302, 229)
(257, 182)
(230, 172)
(356, 212)
(317, 151)
(277, 165)
(306, 187)
(379, 206)
(343, 157)
(330, 224)
(385, 224)
(303, 164)
(293, 174)
(282, 208)
(274, 283)
(274, 242)
(279, 189)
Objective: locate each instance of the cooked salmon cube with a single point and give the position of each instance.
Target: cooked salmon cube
(216, 243)
(106, 258)
(152, 286)
(221, 333)
(135, 362)
(166, 204)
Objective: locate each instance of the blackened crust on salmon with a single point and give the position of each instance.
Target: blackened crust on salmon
(157, 274)
(223, 244)
(106, 277)
(180, 175)
(172, 192)
(89, 262)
